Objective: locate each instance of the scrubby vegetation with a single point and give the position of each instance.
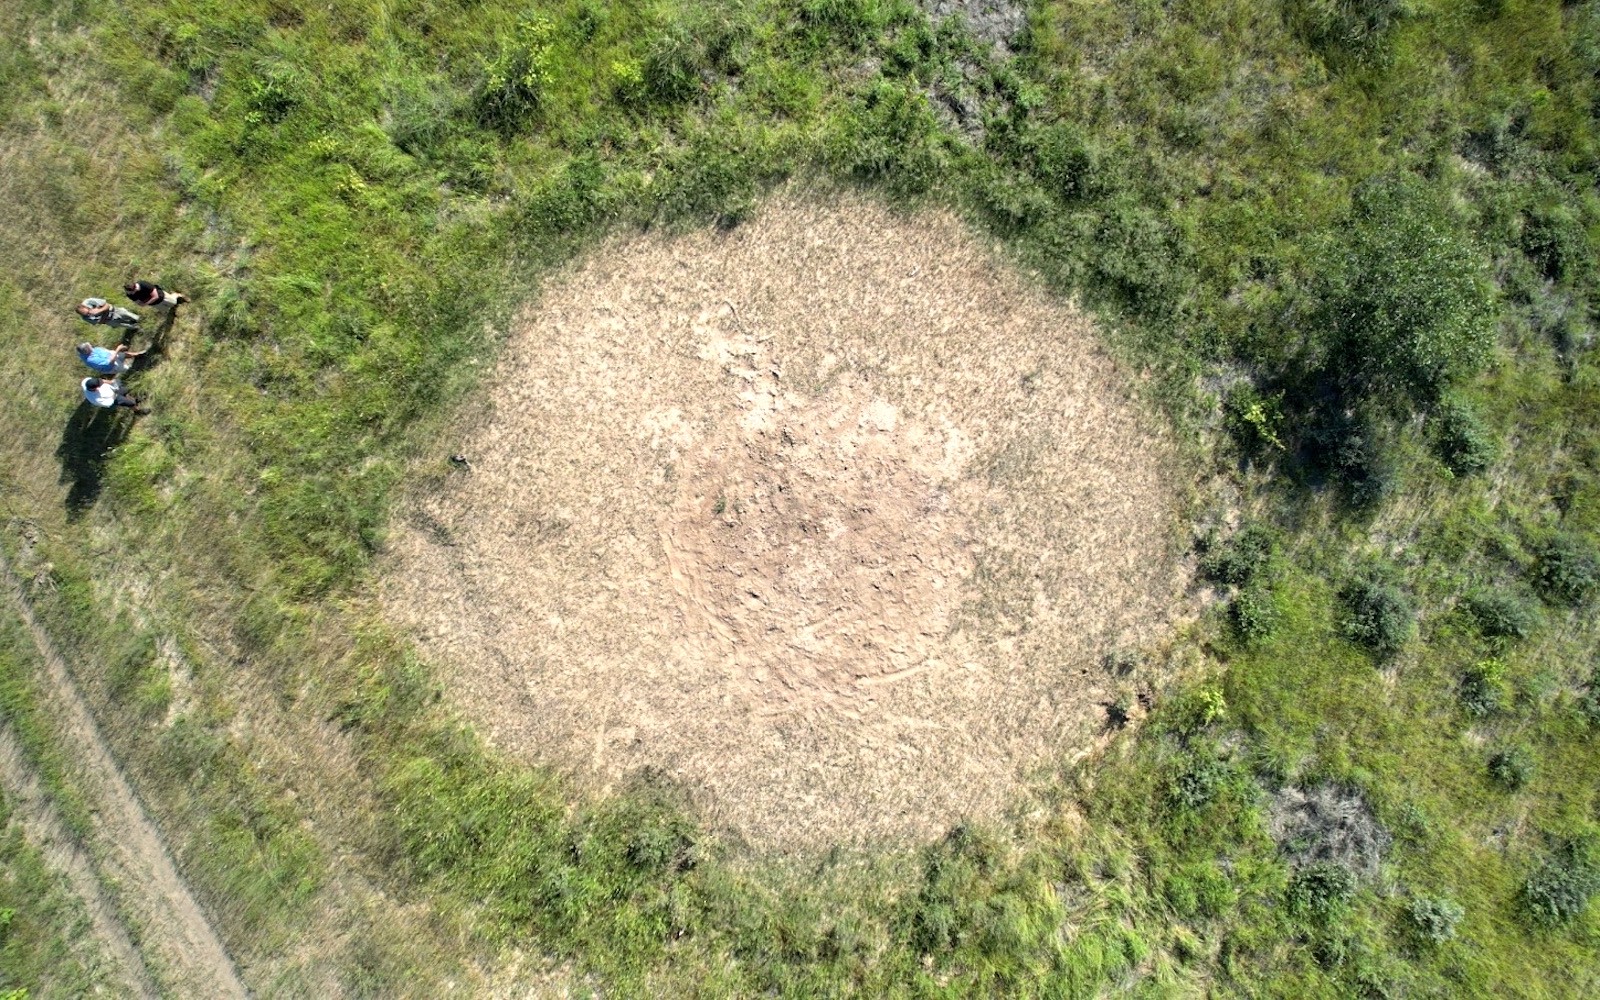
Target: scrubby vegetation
(1350, 243)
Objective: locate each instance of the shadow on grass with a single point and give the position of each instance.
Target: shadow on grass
(86, 444)
(157, 351)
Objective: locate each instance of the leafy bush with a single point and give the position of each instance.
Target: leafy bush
(1410, 301)
(1254, 420)
(1554, 239)
(1199, 781)
(1502, 614)
(1559, 890)
(1321, 889)
(1245, 555)
(1484, 688)
(1460, 439)
(1348, 446)
(1378, 615)
(1567, 570)
(1511, 767)
(1255, 616)
(514, 81)
(1435, 918)
(1589, 700)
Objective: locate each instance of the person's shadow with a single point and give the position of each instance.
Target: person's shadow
(157, 351)
(86, 444)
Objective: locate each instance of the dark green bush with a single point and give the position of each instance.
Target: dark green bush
(1435, 918)
(1255, 616)
(1199, 780)
(1589, 699)
(1377, 615)
(1461, 440)
(1483, 688)
(1567, 570)
(1348, 445)
(1242, 558)
(1554, 239)
(1502, 615)
(1511, 767)
(1559, 890)
(1409, 299)
(1321, 889)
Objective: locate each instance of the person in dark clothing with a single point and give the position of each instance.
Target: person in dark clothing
(148, 293)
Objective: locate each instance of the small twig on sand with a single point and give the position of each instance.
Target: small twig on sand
(737, 320)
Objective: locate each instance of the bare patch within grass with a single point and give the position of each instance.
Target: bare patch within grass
(830, 517)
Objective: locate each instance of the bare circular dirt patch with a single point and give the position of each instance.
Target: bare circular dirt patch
(830, 517)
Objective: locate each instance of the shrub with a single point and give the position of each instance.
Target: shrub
(853, 21)
(1321, 889)
(1348, 446)
(1410, 301)
(1567, 570)
(1511, 767)
(1460, 439)
(1199, 782)
(1559, 890)
(1435, 918)
(1554, 239)
(1254, 420)
(1378, 615)
(1483, 688)
(1589, 700)
(514, 81)
(1246, 555)
(1255, 616)
(1502, 615)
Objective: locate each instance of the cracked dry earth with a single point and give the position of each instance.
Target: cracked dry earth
(831, 518)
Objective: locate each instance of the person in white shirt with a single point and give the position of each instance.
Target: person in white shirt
(107, 394)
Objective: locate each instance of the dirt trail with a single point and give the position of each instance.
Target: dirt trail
(31, 807)
(133, 857)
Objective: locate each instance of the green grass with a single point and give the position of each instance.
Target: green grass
(359, 195)
(46, 946)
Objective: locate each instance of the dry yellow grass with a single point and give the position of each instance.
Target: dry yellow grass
(831, 518)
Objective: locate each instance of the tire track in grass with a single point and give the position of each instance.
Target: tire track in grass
(41, 824)
(134, 856)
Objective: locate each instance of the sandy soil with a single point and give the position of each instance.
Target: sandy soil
(130, 853)
(830, 517)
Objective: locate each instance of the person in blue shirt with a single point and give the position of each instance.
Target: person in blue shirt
(113, 362)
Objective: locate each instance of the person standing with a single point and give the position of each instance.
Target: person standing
(108, 362)
(148, 293)
(102, 313)
(108, 394)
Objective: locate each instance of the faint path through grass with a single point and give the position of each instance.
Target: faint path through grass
(43, 826)
(176, 930)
